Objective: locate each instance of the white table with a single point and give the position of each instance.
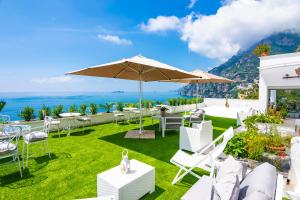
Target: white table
(139, 181)
(70, 116)
(129, 109)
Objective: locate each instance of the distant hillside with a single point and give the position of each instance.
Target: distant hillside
(243, 67)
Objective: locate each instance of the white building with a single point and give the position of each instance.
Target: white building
(277, 72)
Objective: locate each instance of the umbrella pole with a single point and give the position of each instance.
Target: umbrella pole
(197, 95)
(140, 91)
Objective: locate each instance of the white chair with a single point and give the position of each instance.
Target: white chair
(197, 137)
(4, 119)
(85, 120)
(9, 140)
(118, 116)
(35, 137)
(196, 116)
(202, 159)
(153, 113)
(171, 123)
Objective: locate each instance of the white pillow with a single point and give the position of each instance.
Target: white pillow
(227, 188)
(231, 166)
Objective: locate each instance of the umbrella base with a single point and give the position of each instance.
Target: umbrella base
(146, 134)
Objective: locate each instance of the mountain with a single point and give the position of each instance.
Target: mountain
(243, 67)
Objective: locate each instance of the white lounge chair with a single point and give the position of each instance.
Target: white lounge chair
(201, 159)
(197, 137)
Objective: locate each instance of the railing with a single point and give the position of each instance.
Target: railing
(101, 118)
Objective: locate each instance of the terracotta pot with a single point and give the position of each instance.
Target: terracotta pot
(264, 53)
(226, 104)
(282, 148)
(297, 71)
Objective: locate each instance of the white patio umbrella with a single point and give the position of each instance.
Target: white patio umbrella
(137, 68)
(202, 77)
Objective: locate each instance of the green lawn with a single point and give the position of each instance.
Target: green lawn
(76, 160)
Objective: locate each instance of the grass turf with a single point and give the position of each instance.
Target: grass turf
(71, 171)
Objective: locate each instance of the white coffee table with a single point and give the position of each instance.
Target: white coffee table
(139, 181)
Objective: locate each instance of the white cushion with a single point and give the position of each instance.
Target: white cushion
(35, 136)
(231, 166)
(84, 119)
(227, 187)
(55, 122)
(6, 147)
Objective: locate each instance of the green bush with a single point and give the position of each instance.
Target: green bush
(2, 105)
(251, 144)
(27, 113)
(107, 106)
(251, 121)
(73, 108)
(82, 109)
(120, 106)
(57, 110)
(237, 146)
(93, 108)
(45, 111)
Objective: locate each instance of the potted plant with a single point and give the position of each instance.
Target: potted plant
(262, 50)
(2, 104)
(163, 110)
(276, 144)
(226, 103)
(297, 71)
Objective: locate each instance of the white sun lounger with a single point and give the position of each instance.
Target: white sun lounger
(202, 159)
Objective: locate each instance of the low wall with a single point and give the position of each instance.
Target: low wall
(233, 103)
(100, 118)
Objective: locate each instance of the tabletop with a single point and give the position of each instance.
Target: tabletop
(70, 114)
(129, 108)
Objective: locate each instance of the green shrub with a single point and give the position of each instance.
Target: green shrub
(120, 106)
(45, 111)
(251, 121)
(256, 145)
(237, 146)
(251, 144)
(82, 109)
(27, 113)
(57, 110)
(73, 108)
(2, 105)
(93, 108)
(107, 106)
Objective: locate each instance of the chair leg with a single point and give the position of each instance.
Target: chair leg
(27, 155)
(23, 154)
(19, 165)
(47, 147)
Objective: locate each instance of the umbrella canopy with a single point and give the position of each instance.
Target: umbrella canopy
(136, 68)
(203, 77)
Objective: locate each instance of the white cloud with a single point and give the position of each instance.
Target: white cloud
(53, 80)
(115, 39)
(192, 3)
(162, 23)
(237, 25)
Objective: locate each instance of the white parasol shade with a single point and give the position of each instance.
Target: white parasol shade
(136, 68)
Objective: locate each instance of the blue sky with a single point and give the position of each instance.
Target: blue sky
(41, 40)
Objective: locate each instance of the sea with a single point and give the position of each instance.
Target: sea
(15, 102)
